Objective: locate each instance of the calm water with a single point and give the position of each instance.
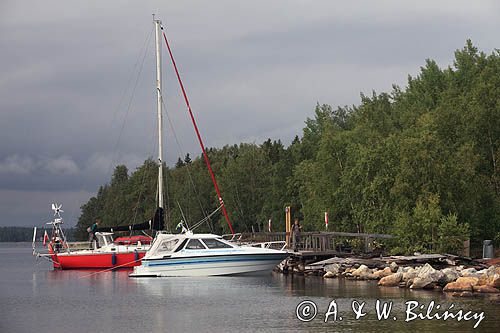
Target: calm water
(34, 298)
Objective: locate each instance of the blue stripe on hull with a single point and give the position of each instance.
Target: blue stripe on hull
(207, 260)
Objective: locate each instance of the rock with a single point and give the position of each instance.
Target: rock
(449, 275)
(458, 286)
(405, 269)
(421, 283)
(438, 288)
(486, 289)
(391, 280)
(428, 272)
(410, 275)
(495, 281)
(385, 272)
(349, 270)
(402, 285)
(329, 274)
(468, 272)
(334, 268)
(490, 277)
(393, 266)
(470, 279)
(362, 272)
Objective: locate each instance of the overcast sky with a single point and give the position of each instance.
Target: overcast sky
(252, 69)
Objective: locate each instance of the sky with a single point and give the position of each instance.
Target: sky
(77, 84)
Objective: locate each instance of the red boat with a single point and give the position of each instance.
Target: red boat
(124, 252)
(110, 255)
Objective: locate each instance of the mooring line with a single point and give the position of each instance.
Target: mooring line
(109, 269)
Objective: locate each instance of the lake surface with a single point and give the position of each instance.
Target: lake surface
(34, 298)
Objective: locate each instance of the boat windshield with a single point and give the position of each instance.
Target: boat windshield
(195, 244)
(213, 243)
(168, 245)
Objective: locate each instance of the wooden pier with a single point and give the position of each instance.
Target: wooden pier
(316, 244)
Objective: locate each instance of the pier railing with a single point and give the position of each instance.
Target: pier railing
(316, 241)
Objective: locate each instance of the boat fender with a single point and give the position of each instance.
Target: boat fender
(136, 255)
(113, 259)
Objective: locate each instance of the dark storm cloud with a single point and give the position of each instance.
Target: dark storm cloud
(253, 70)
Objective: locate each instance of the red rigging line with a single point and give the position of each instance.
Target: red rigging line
(207, 161)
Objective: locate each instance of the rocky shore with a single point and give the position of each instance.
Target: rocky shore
(460, 280)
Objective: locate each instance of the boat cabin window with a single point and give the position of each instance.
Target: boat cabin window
(213, 243)
(104, 239)
(168, 245)
(195, 244)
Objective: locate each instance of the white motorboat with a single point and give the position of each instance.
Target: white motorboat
(190, 254)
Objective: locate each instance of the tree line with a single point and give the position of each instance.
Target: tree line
(25, 234)
(420, 162)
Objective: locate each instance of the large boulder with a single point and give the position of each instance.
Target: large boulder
(490, 277)
(449, 275)
(455, 286)
(382, 273)
(329, 275)
(363, 272)
(405, 269)
(410, 274)
(333, 268)
(462, 284)
(428, 272)
(469, 279)
(469, 272)
(391, 280)
(423, 283)
(393, 266)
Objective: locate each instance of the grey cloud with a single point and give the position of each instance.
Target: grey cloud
(252, 70)
(16, 164)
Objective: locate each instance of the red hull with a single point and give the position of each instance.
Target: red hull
(97, 260)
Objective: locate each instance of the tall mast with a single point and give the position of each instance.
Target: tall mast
(159, 109)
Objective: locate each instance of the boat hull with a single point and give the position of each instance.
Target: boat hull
(97, 260)
(209, 266)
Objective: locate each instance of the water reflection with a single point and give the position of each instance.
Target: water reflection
(34, 298)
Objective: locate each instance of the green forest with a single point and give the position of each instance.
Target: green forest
(25, 234)
(419, 162)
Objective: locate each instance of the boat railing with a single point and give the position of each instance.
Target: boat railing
(79, 245)
(275, 245)
(233, 237)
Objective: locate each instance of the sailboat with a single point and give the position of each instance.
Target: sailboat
(191, 254)
(184, 254)
(107, 252)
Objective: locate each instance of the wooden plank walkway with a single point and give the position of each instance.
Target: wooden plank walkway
(316, 243)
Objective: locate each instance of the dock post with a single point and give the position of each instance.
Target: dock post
(288, 224)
